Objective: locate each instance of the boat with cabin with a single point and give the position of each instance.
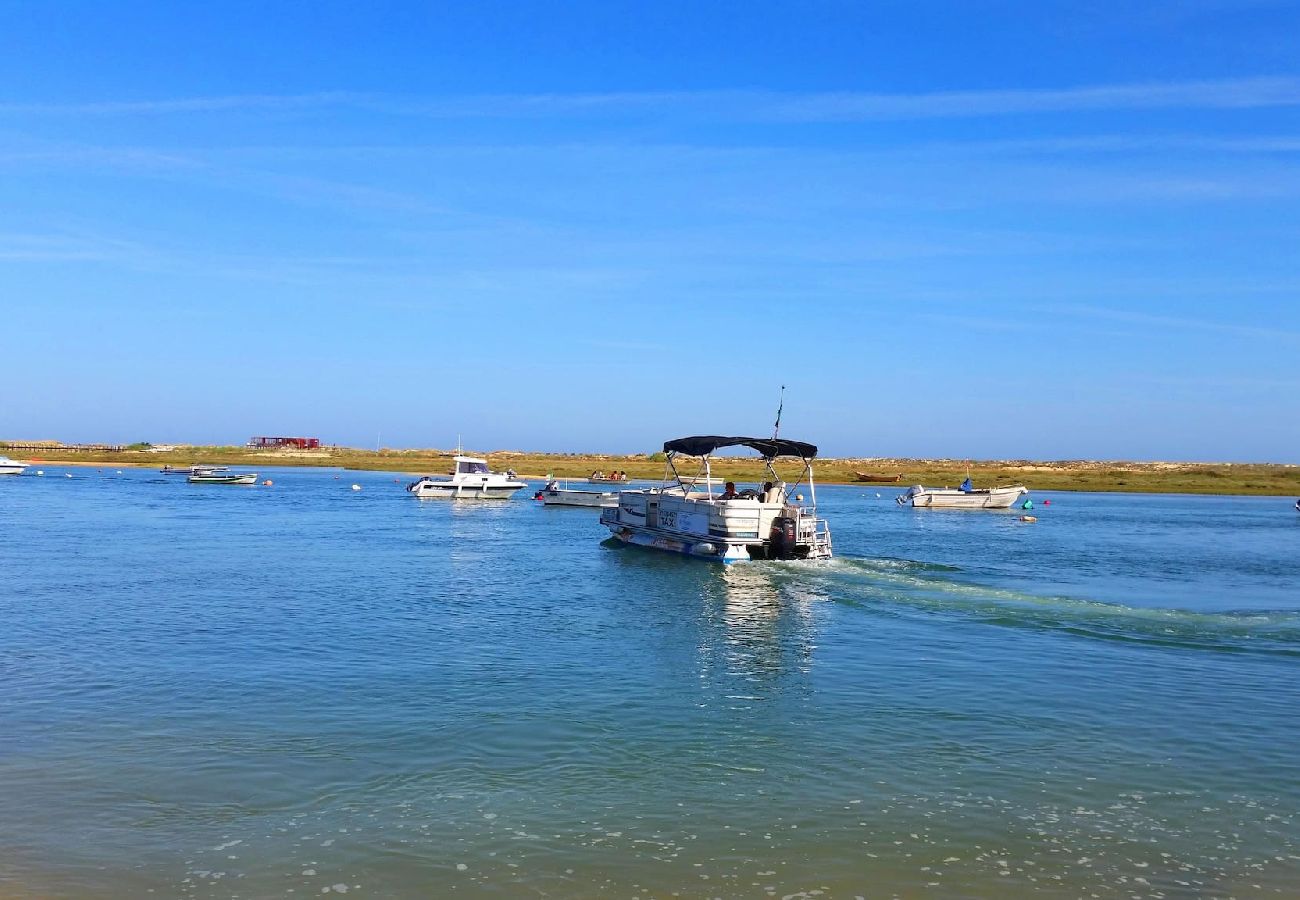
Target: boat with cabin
(553, 494)
(470, 479)
(219, 475)
(693, 518)
(964, 497)
(11, 466)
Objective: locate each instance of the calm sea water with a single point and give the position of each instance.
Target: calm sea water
(212, 691)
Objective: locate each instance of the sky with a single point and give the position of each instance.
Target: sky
(970, 230)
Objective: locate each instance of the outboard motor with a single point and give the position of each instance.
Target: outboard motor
(785, 537)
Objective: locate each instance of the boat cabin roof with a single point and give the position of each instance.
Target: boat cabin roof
(771, 448)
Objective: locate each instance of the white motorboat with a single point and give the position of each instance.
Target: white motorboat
(555, 495)
(470, 479)
(965, 497)
(219, 475)
(771, 522)
(11, 466)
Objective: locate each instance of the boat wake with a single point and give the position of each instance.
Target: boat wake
(906, 587)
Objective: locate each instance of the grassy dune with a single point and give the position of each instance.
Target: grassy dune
(1073, 475)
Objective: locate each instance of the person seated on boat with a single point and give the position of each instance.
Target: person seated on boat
(730, 492)
(966, 486)
(767, 492)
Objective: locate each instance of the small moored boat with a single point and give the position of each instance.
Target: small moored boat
(965, 497)
(11, 466)
(881, 479)
(219, 475)
(611, 478)
(555, 495)
(470, 479)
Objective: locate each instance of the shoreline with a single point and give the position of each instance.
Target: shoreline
(1157, 477)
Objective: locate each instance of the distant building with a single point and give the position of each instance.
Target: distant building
(297, 443)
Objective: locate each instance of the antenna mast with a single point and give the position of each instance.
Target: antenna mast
(776, 429)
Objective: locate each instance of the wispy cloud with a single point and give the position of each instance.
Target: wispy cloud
(1233, 329)
(744, 105)
(157, 107)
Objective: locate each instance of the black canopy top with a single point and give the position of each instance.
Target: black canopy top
(771, 448)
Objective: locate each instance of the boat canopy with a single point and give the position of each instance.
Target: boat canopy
(771, 448)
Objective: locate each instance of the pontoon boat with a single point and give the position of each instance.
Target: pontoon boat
(768, 523)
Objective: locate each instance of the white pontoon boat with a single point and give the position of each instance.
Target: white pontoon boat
(769, 523)
(471, 479)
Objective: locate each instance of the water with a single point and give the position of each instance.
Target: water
(212, 691)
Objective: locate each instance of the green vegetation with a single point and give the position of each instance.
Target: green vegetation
(1072, 475)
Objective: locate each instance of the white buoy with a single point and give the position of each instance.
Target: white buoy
(356, 487)
(877, 495)
(119, 471)
(40, 471)
(67, 474)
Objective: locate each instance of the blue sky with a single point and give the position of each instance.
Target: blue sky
(1051, 230)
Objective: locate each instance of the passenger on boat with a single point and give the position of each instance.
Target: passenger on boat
(767, 491)
(730, 492)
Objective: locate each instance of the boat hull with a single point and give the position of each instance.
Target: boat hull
(12, 468)
(243, 478)
(433, 491)
(878, 479)
(948, 498)
(684, 546)
(588, 499)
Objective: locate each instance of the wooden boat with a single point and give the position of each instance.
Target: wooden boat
(882, 479)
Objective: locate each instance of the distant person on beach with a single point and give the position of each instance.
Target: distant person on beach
(730, 492)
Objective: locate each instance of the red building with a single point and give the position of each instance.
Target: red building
(298, 443)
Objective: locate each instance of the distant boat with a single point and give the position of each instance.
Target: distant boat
(219, 475)
(554, 495)
(599, 478)
(956, 498)
(866, 476)
(470, 479)
(11, 466)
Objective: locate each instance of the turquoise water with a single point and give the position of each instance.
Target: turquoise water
(212, 691)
